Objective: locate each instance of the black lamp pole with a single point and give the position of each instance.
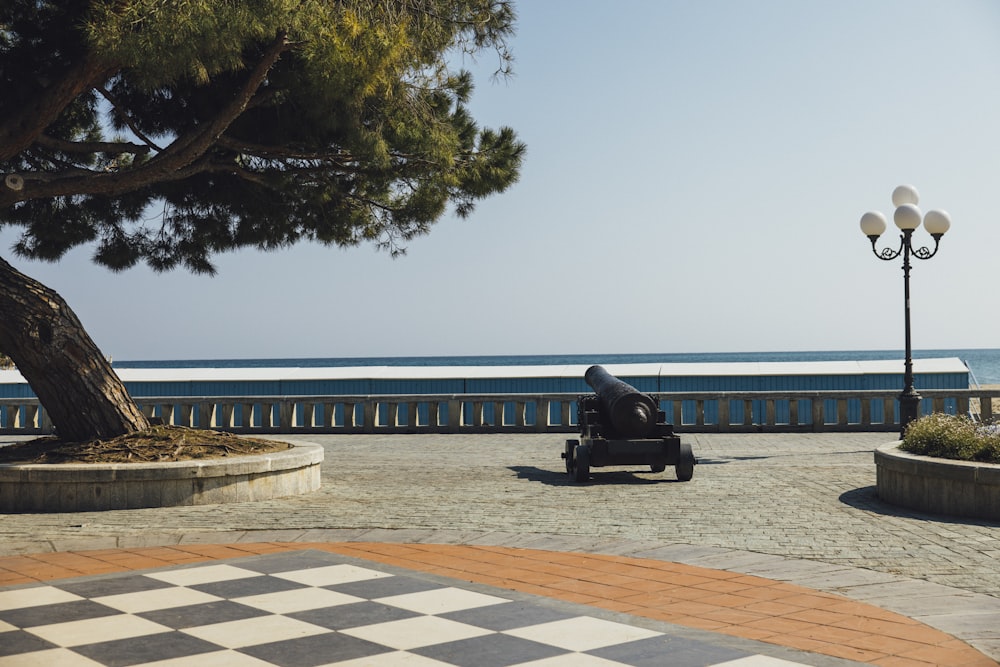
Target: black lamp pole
(907, 218)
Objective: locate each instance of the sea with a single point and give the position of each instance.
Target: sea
(984, 364)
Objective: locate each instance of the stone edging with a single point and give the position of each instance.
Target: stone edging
(86, 487)
(939, 486)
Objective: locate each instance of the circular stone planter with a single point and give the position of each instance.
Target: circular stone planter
(938, 486)
(87, 487)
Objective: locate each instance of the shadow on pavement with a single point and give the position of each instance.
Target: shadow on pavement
(597, 476)
(866, 498)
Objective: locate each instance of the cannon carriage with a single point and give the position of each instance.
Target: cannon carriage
(619, 425)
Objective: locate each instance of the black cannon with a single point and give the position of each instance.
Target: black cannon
(619, 425)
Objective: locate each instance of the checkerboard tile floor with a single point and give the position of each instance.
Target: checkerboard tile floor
(313, 609)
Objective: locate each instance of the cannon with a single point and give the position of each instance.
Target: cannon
(619, 425)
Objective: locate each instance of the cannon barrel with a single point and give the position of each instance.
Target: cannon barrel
(631, 413)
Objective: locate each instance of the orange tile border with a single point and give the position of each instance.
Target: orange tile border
(726, 602)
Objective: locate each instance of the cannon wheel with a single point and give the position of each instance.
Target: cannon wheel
(657, 467)
(570, 448)
(685, 463)
(581, 464)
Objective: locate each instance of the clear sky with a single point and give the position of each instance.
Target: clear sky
(695, 176)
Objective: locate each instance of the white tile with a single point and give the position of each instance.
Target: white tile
(331, 574)
(416, 632)
(7, 627)
(759, 661)
(571, 660)
(55, 657)
(582, 633)
(441, 601)
(301, 599)
(94, 630)
(205, 574)
(253, 631)
(163, 598)
(34, 597)
(215, 659)
(394, 659)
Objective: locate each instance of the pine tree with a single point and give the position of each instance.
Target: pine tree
(240, 123)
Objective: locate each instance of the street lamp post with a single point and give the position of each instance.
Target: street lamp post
(907, 218)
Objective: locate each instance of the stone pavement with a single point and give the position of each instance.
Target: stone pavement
(792, 508)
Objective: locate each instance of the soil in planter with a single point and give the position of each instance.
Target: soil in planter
(154, 445)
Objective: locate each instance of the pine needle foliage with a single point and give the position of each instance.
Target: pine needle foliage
(166, 131)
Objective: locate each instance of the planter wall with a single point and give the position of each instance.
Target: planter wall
(86, 487)
(939, 486)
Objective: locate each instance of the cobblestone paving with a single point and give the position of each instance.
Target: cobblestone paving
(806, 496)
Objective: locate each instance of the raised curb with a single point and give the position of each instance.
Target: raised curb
(940, 486)
(87, 487)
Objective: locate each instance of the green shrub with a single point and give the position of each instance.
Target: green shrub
(953, 437)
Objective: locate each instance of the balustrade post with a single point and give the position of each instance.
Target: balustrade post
(30, 413)
(724, 418)
(186, 414)
(937, 404)
(227, 416)
(205, 414)
(370, 410)
(543, 413)
(818, 420)
(44, 421)
(521, 414)
(308, 414)
(455, 415)
(246, 417)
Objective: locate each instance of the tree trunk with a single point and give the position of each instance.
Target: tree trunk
(75, 384)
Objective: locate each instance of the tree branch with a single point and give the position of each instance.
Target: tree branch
(115, 147)
(283, 152)
(106, 94)
(171, 164)
(189, 147)
(19, 131)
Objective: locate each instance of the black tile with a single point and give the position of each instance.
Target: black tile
(149, 648)
(675, 651)
(500, 617)
(352, 615)
(237, 588)
(385, 587)
(191, 616)
(18, 641)
(489, 651)
(289, 562)
(46, 614)
(315, 650)
(116, 585)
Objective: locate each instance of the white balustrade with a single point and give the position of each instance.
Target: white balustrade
(693, 412)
